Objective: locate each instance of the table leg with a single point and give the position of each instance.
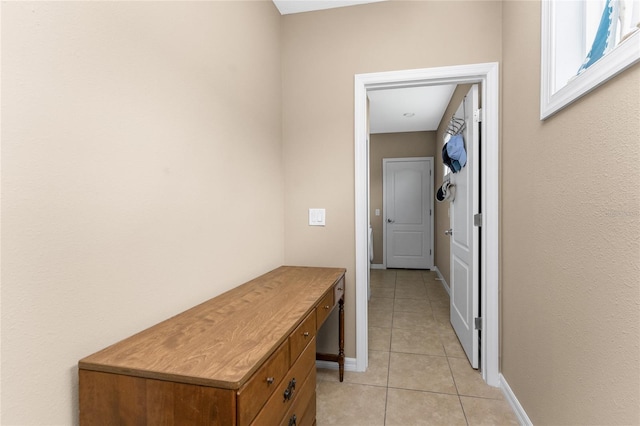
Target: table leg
(341, 339)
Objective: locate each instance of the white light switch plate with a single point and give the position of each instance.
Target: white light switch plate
(316, 217)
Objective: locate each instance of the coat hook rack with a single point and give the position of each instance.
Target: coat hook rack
(456, 126)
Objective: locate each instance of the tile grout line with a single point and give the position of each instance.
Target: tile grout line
(393, 309)
(457, 391)
(453, 377)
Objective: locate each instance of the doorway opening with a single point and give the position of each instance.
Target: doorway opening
(487, 76)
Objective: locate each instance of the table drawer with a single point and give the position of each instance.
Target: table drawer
(263, 383)
(301, 412)
(309, 415)
(301, 336)
(278, 404)
(324, 309)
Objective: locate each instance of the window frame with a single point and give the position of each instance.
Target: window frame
(623, 56)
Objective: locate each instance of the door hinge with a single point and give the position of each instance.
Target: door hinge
(477, 115)
(429, 212)
(477, 219)
(478, 323)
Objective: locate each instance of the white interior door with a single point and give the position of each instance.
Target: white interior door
(408, 212)
(464, 235)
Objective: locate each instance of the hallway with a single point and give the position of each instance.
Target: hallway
(418, 373)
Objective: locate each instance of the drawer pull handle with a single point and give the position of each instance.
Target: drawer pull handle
(327, 306)
(305, 334)
(293, 420)
(270, 380)
(288, 392)
(339, 289)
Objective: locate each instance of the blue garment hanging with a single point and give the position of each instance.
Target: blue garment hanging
(454, 155)
(456, 152)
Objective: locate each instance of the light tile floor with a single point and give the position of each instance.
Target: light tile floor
(418, 373)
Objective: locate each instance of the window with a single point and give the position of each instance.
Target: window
(584, 43)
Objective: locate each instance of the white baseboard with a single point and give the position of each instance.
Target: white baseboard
(442, 280)
(377, 266)
(523, 419)
(349, 364)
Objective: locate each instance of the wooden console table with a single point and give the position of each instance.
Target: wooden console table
(244, 357)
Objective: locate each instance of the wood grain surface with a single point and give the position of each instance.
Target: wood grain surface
(222, 341)
(115, 399)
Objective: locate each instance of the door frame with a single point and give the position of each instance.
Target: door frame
(431, 163)
(487, 75)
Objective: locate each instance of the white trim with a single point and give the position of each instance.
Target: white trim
(487, 74)
(377, 266)
(620, 58)
(349, 364)
(490, 228)
(442, 280)
(361, 225)
(523, 419)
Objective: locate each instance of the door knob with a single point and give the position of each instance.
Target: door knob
(448, 232)
(390, 220)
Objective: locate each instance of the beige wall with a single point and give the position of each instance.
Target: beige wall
(391, 145)
(321, 53)
(570, 241)
(141, 174)
(138, 140)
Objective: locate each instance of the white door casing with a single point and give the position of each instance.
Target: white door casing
(487, 75)
(408, 206)
(464, 253)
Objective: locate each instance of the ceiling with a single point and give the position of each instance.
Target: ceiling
(409, 109)
(287, 7)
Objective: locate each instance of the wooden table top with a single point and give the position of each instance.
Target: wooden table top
(222, 341)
